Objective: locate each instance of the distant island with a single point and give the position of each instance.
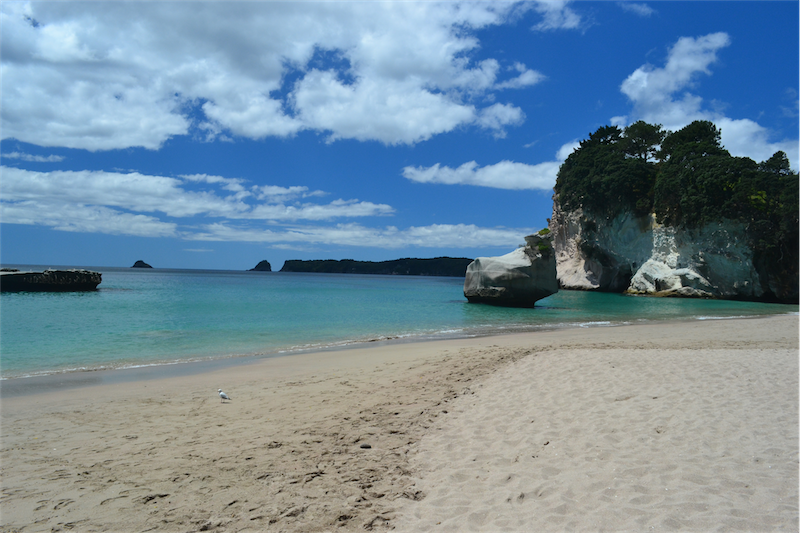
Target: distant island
(262, 266)
(438, 266)
(141, 264)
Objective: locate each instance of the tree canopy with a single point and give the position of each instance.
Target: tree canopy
(612, 170)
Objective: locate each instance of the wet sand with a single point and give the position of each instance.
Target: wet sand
(682, 426)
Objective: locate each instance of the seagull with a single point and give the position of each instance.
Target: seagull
(223, 395)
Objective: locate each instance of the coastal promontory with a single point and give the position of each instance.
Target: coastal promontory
(437, 266)
(141, 264)
(645, 211)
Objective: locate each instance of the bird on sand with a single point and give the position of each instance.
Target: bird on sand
(223, 396)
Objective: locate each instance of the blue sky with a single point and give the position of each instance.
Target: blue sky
(217, 134)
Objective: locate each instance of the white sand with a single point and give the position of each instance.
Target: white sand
(653, 434)
(689, 426)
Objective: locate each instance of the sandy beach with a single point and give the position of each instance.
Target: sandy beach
(688, 426)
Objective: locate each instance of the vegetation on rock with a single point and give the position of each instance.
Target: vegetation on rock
(612, 171)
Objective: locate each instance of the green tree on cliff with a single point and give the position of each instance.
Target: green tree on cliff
(612, 171)
(695, 177)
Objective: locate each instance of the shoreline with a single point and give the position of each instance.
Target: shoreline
(23, 385)
(359, 438)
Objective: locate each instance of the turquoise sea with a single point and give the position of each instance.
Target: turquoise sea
(143, 317)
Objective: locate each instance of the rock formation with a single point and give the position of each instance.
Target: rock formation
(517, 279)
(141, 264)
(637, 255)
(49, 280)
(262, 266)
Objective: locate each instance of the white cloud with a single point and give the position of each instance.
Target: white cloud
(434, 236)
(792, 110)
(398, 113)
(84, 219)
(134, 204)
(230, 184)
(565, 151)
(502, 175)
(526, 78)
(133, 191)
(497, 116)
(335, 209)
(651, 89)
(746, 138)
(34, 158)
(110, 193)
(276, 194)
(643, 10)
(556, 15)
(108, 75)
(652, 92)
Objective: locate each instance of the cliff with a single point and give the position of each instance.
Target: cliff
(636, 254)
(438, 266)
(516, 279)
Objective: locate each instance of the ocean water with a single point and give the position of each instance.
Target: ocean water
(142, 317)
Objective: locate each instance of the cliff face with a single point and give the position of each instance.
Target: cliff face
(637, 255)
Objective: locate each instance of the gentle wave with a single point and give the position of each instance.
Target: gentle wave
(332, 346)
(151, 318)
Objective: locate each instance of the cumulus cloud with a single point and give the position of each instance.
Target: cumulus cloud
(132, 191)
(653, 94)
(226, 209)
(651, 89)
(526, 78)
(109, 75)
(556, 15)
(111, 202)
(744, 137)
(134, 204)
(497, 116)
(84, 218)
(433, 236)
(792, 110)
(643, 10)
(34, 158)
(502, 175)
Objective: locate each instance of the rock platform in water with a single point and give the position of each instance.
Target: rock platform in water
(49, 280)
